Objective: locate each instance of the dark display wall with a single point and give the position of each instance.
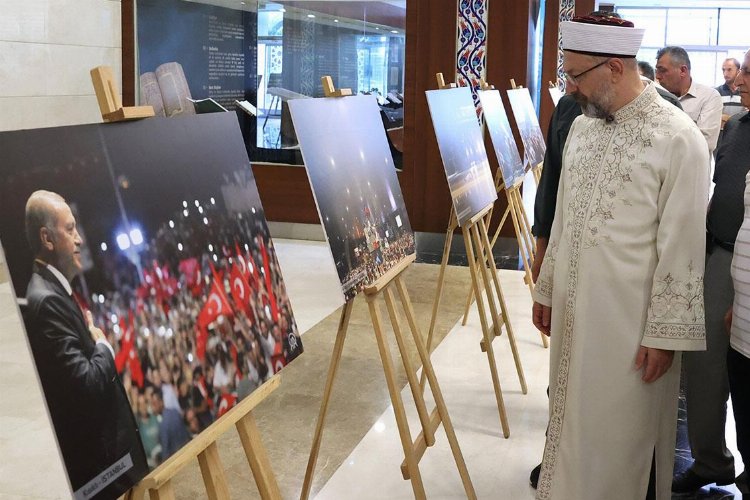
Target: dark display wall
(217, 47)
(313, 50)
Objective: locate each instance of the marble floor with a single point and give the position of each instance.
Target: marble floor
(361, 453)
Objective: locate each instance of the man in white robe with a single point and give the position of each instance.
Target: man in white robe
(621, 285)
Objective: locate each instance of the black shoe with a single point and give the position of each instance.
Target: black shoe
(689, 481)
(742, 483)
(534, 476)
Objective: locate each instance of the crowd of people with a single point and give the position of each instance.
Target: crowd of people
(372, 249)
(183, 359)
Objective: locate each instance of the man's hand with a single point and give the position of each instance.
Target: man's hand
(541, 249)
(728, 321)
(655, 362)
(96, 333)
(542, 317)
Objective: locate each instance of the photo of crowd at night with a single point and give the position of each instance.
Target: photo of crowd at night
(461, 144)
(178, 268)
(354, 182)
(511, 165)
(528, 126)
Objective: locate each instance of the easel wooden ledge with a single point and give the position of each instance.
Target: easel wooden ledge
(483, 276)
(413, 451)
(158, 483)
(108, 97)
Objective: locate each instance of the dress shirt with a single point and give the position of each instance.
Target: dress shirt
(704, 106)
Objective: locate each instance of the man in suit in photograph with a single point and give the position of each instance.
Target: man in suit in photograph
(95, 427)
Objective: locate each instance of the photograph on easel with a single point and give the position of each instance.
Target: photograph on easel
(166, 311)
(528, 126)
(511, 165)
(356, 190)
(461, 145)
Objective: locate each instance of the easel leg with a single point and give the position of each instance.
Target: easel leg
(486, 332)
(165, 492)
(526, 230)
(440, 283)
(483, 256)
(256, 455)
(346, 313)
(436, 392)
(411, 373)
(398, 404)
(213, 473)
(503, 310)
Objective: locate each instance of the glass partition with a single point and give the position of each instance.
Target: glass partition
(252, 58)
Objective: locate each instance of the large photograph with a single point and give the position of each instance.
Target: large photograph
(149, 286)
(354, 182)
(511, 165)
(461, 145)
(528, 126)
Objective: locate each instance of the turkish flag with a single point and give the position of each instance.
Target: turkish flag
(200, 342)
(126, 344)
(136, 372)
(216, 305)
(240, 288)
(269, 286)
(277, 362)
(226, 403)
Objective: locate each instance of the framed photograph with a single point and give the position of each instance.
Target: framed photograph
(461, 145)
(150, 291)
(354, 182)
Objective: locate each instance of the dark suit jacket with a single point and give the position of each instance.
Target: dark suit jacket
(94, 424)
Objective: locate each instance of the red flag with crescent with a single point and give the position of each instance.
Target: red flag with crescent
(269, 285)
(126, 344)
(216, 305)
(240, 289)
(226, 402)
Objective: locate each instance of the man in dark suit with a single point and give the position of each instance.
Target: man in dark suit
(95, 427)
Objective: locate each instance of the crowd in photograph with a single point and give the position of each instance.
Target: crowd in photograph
(373, 250)
(198, 319)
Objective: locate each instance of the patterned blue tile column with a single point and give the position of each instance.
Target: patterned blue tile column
(471, 45)
(567, 11)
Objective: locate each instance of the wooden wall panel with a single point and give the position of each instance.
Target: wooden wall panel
(285, 193)
(127, 13)
(430, 48)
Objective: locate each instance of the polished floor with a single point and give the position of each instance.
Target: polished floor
(361, 452)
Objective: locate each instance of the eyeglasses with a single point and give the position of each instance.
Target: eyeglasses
(574, 79)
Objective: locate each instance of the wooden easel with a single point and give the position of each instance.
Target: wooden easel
(413, 451)
(536, 170)
(108, 96)
(203, 447)
(521, 225)
(483, 277)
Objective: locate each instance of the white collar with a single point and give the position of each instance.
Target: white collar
(62, 279)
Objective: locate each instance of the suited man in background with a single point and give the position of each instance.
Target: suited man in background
(95, 427)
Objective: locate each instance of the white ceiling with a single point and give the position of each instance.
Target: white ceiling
(679, 3)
